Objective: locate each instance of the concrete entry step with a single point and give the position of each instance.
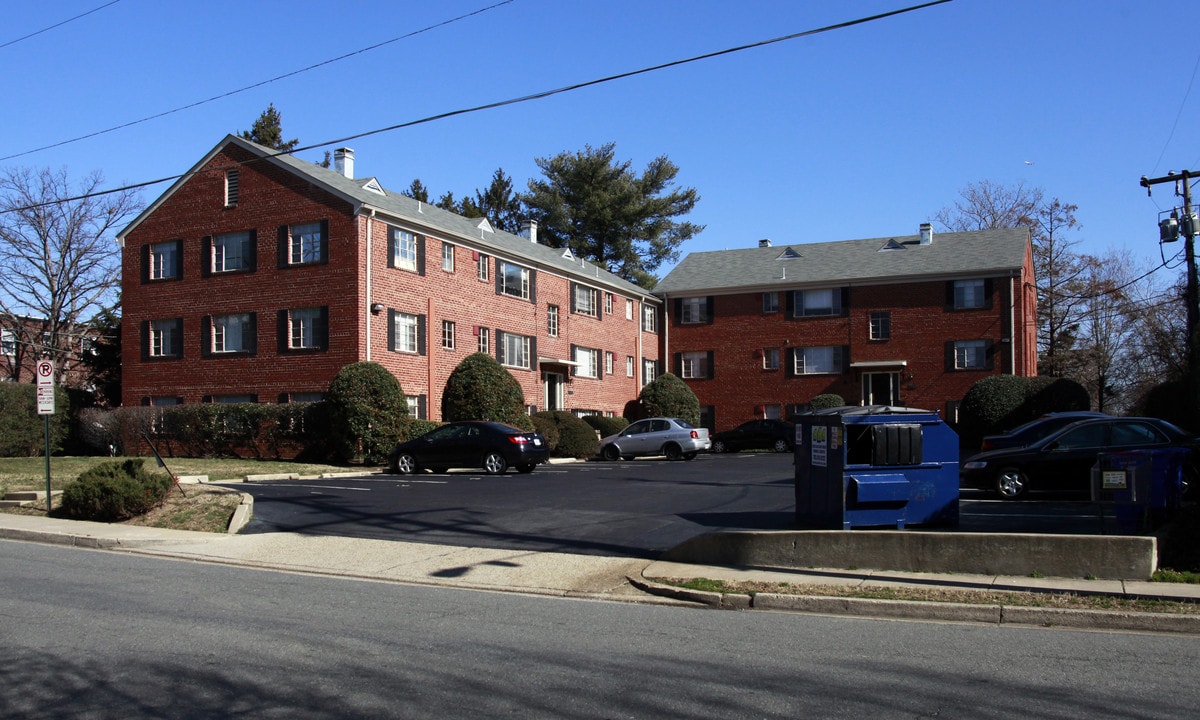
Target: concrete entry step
(25, 498)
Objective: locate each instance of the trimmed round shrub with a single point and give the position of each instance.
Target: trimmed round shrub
(1169, 401)
(606, 425)
(576, 439)
(367, 411)
(1045, 394)
(548, 428)
(115, 491)
(668, 396)
(481, 389)
(825, 401)
(1000, 402)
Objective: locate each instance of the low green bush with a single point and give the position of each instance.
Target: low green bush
(115, 491)
(826, 401)
(576, 439)
(606, 425)
(548, 428)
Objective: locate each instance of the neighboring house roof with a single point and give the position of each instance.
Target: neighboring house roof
(368, 194)
(851, 262)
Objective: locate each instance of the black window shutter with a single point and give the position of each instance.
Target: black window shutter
(145, 340)
(989, 353)
(845, 298)
(324, 241)
(499, 278)
(533, 286)
(790, 360)
(678, 361)
(250, 334)
(177, 339)
(949, 355)
(532, 353)
(845, 359)
(391, 329)
(251, 253)
(987, 293)
(678, 310)
(712, 370)
(321, 328)
(283, 398)
(284, 255)
(949, 294)
(601, 358)
(206, 256)
(789, 304)
(391, 249)
(422, 407)
(421, 328)
(206, 336)
(574, 307)
(710, 304)
(283, 332)
(420, 255)
(178, 260)
(146, 400)
(146, 263)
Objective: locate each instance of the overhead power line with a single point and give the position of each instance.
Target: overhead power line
(60, 24)
(259, 84)
(514, 101)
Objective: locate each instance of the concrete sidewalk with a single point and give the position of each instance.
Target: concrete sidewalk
(623, 579)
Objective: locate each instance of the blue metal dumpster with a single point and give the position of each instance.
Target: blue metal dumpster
(875, 466)
(1144, 486)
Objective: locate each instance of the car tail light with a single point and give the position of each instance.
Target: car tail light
(518, 439)
(987, 445)
(696, 434)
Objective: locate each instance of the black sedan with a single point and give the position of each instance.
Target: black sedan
(1037, 429)
(1063, 460)
(777, 435)
(493, 446)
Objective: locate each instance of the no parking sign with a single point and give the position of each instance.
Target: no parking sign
(45, 387)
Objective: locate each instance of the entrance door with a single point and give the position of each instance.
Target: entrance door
(881, 388)
(554, 390)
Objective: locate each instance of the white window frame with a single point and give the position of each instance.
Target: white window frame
(819, 360)
(164, 260)
(552, 320)
(970, 354)
(693, 365)
(881, 325)
(447, 334)
(649, 319)
(404, 249)
(228, 331)
(609, 359)
(693, 311)
(447, 257)
(231, 252)
(405, 333)
(516, 350)
(649, 371)
(586, 362)
(818, 302)
(306, 243)
(482, 265)
(770, 358)
(629, 366)
(970, 294)
(302, 328)
(162, 338)
(608, 303)
(413, 403)
(770, 302)
(585, 300)
(484, 340)
(514, 280)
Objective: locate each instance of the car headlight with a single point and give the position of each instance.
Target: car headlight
(975, 465)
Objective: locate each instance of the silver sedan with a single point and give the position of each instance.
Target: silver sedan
(676, 439)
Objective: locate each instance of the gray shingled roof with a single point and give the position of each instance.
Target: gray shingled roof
(454, 226)
(980, 253)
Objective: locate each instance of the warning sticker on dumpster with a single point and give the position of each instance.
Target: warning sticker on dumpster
(820, 443)
(1114, 480)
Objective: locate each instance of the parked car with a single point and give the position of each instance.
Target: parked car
(1062, 461)
(1036, 429)
(493, 446)
(777, 435)
(675, 438)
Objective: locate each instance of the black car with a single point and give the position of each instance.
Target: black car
(1063, 460)
(1037, 429)
(777, 435)
(493, 446)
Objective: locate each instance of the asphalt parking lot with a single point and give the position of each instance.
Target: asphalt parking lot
(629, 508)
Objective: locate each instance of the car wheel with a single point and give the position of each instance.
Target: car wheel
(611, 452)
(673, 452)
(406, 464)
(690, 456)
(719, 446)
(526, 468)
(494, 464)
(1011, 483)
(781, 446)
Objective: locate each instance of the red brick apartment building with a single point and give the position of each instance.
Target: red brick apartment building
(26, 340)
(256, 277)
(911, 321)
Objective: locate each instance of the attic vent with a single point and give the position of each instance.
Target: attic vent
(891, 245)
(373, 185)
(568, 254)
(789, 254)
(484, 225)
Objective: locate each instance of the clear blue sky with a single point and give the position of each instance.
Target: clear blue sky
(861, 132)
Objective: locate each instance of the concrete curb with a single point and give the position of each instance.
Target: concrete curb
(931, 611)
(241, 515)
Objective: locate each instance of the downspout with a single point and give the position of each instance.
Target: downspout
(1012, 327)
(666, 335)
(367, 294)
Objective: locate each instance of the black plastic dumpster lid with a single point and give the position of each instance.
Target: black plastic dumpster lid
(869, 410)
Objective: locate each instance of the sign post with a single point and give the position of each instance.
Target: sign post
(45, 408)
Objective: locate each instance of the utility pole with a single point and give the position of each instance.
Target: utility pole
(1169, 231)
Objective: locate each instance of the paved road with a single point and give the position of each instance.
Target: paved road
(111, 635)
(623, 509)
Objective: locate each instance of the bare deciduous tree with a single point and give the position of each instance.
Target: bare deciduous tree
(59, 259)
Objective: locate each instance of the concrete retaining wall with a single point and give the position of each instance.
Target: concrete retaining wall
(1075, 556)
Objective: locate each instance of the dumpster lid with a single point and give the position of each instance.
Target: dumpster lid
(869, 410)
